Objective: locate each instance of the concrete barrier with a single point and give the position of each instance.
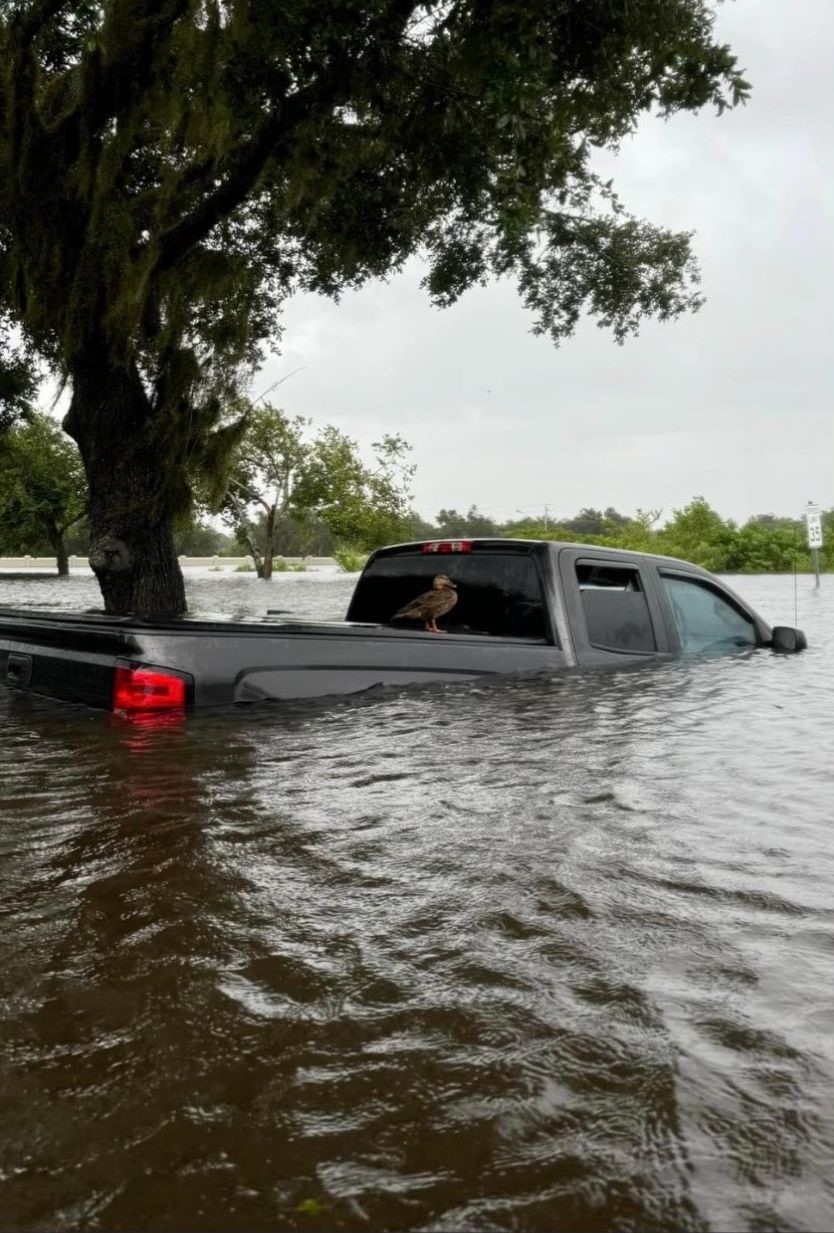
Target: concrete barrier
(225, 563)
(47, 563)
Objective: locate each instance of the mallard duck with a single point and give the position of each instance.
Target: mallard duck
(431, 604)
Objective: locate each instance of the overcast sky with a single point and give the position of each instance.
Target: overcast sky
(734, 403)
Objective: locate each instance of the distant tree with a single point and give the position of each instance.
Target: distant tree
(266, 466)
(586, 522)
(637, 534)
(363, 506)
(194, 538)
(767, 543)
(18, 378)
(452, 524)
(765, 547)
(698, 534)
(531, 528)
(297, 534)
(42, 487)
(609, 529)
(614, 518)
(419, 528)
(77, 538)
(279, 475)
(173, 170)
(827, 553)
(304, 534)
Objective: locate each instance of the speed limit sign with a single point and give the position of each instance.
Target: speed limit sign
(814, 525)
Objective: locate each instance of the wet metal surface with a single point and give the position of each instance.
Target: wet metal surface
(550, 953)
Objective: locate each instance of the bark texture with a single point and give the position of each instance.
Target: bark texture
(131, 512)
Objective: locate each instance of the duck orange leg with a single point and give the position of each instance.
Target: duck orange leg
(431, 627)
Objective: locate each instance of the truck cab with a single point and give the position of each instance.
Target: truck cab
(596, 606)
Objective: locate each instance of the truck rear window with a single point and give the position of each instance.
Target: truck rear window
(499, 594)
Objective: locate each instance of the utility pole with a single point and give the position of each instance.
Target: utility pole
(546, 513)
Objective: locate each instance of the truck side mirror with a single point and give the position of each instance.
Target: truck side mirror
(787, 640)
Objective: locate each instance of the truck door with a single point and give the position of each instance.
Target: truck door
(613, 608)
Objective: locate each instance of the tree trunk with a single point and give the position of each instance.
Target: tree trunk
(244, 531)
(56, 541)
(132, 486)
(269, 543)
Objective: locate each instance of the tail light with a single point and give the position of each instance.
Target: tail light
(448, 545)
(148, 689)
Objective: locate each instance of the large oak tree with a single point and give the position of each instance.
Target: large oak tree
(171, 170)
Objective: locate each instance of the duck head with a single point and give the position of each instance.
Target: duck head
(441, 583)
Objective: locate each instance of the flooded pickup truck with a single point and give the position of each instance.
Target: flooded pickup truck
(522, 606)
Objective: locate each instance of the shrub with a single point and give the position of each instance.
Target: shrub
(349, 558)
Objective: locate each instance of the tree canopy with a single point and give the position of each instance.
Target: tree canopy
(278, 474)
(695, 532)
(172, 170)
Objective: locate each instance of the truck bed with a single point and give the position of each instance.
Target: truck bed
(75, 657)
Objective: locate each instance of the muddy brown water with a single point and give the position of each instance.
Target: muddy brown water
(543, 954)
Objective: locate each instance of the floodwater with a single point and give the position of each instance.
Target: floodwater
(544, 954)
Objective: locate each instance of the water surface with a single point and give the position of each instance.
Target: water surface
(538, 954)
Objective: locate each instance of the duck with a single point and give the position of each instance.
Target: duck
(431, 604)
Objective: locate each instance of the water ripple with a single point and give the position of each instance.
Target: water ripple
(544, 953)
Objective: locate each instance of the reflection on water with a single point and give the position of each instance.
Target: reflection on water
(532, 955)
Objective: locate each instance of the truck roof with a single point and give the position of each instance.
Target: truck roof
(497, 543)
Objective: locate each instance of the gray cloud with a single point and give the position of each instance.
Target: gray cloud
(733, 402)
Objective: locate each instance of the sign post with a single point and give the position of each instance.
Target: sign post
(814, 524)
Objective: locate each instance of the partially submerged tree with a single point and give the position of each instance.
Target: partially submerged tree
(170, 170)
(42, 488)
(363, 505)
(697, 533)
(280, 474)
(266, 466)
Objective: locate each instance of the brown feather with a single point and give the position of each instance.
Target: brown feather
(431, 604)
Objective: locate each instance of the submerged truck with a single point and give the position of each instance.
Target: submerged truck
(522, 606)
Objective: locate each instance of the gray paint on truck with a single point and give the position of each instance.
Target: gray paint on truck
(73, 657)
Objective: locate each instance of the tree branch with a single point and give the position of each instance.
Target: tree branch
(241, 178)
(32, 19)
(252, 158)
(120, 84)
(69, 525)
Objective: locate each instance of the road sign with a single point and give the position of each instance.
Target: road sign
(814, 524)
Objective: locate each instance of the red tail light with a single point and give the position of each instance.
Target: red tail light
(448, 545)
(147, 689)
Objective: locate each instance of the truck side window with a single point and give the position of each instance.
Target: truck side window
(705, 619)
(499, 593)
(616, 608)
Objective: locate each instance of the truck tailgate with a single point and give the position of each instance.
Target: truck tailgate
(62, 658)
